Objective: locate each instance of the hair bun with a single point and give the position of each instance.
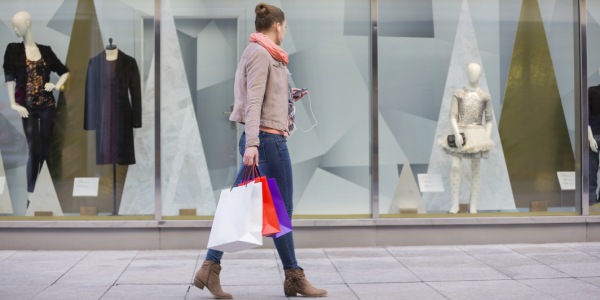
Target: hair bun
(262, 10)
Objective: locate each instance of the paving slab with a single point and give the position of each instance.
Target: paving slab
(253, 292)
(489, 290)
(161, 271)
(593, 280)
(373, 270)
(146, 292)
(565, 288)
(450, 268)
(541, 248)
(518, 266)
(419, 251)
(357, 252)
(394, 291)
(552, 259)
(486, 249)
(72, 291)
(590, 248)
(250, 272)
(5, 253)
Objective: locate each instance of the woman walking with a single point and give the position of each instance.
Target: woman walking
(264, 103)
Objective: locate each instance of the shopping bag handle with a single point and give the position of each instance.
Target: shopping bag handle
(248, 173)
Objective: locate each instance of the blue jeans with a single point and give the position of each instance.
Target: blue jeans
(594, 161)
(274, 162)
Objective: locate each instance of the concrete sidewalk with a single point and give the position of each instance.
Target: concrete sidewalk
(550, 271)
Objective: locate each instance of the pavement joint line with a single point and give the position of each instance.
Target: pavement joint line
(121, 274)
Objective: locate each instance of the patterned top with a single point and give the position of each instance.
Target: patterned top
(291, 108)
(35, 96)
(15, 68)
(468, 107)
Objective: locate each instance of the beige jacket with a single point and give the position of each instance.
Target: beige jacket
(261, 93)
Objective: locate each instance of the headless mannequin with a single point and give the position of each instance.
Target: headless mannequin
(21, 24)
(473, 75)
(594, 148)
(593, 143)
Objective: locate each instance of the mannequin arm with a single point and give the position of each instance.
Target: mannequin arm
(593, 144)
(488, 129)
(457, 136)
(61, 81)
(10, 86)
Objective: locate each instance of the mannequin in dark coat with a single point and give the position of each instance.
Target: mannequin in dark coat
(108, 108)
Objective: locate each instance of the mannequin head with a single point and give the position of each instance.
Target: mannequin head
(270, 20)
(21, 23)
(473, 73)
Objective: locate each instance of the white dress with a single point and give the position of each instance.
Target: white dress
(468, 107)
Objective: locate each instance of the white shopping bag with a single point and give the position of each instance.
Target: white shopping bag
(237, 224)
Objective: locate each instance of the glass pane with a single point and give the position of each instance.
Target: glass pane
(87, 134)
(328, 49)
(502, 74)
(593, 38)
(201, 46)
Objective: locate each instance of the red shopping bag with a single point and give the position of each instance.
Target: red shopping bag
(270, 220)
(285, 224)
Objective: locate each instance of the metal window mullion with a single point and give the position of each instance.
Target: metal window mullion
(582, 168)
(374, 113)
(157, 91)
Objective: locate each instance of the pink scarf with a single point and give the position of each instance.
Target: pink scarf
(275, 51)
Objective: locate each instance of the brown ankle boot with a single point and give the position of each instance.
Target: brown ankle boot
(296, 283)
(208, 276)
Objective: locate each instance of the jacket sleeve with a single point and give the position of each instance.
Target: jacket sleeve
(55, 64)
(9, 65)
(89, 117)
(257, 71)
(135, 91)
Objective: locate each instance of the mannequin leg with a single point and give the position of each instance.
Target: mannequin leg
(455, 183)
(594, 162)
(475, 183)
(29, 196)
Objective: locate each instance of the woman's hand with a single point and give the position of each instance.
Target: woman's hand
(251, 156)
(294, 90)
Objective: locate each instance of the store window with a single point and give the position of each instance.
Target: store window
(68, 153)
(442, 67)
(500, 74)
(328, 46)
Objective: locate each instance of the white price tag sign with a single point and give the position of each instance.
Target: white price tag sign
(85, 186)
(430, 183)
(566, 180)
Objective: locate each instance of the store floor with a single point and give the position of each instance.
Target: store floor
(524, 271)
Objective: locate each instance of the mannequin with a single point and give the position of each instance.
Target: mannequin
(594, 138)
(113, 105)
(468, 107)
(26, 64)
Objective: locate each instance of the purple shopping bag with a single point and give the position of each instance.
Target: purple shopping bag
(285, 224)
